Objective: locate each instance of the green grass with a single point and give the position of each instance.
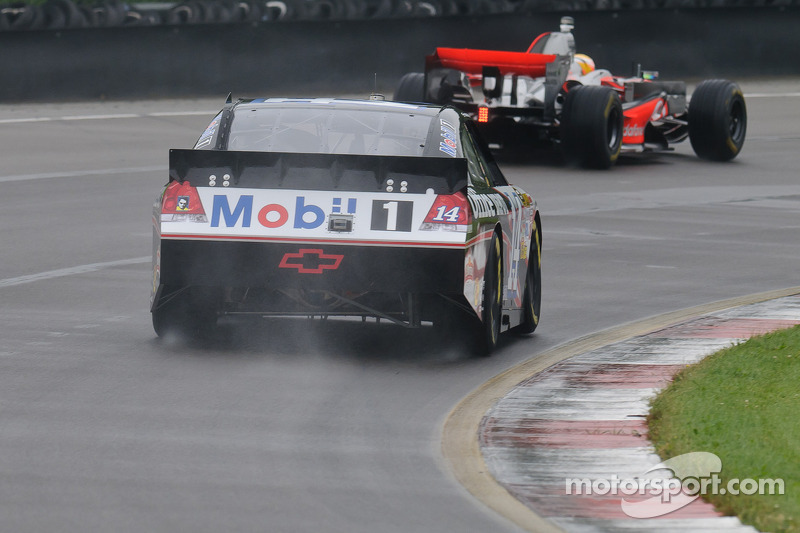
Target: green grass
(743, 404)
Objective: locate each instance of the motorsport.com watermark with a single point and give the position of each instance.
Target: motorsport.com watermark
(693, 475)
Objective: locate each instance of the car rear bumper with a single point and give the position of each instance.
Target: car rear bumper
(417, 269)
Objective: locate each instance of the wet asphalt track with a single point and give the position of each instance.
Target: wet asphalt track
(294, 426)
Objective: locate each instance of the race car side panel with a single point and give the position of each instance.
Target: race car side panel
(637, 117)
(511, 213)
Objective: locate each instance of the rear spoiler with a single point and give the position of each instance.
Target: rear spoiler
(473, 61)
(340, 172)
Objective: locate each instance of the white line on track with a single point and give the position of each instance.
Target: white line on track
(108, 116)
(80, 269)
(79, 173)
(21, 120)
(181, 113)
(771, 95)
(161, 114)
(100, 117)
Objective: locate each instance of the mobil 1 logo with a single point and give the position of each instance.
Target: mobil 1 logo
(391, 216)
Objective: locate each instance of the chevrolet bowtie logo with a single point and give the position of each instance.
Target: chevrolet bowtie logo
(311, 261)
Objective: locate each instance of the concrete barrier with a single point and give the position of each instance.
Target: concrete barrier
(298, 58)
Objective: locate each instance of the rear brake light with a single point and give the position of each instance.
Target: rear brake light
(181, 198)
(483, 114)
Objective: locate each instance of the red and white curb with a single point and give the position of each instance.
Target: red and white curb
(584, 418)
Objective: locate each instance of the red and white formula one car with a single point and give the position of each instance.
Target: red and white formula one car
(559, 96)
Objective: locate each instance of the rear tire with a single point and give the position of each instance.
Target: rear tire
(717, 120)
(411, 88)
(532, 301)
(186, 312)
(591, 126)
(492, 314)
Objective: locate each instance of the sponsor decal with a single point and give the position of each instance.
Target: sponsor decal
(156, 272)
(523, 249)
(311, 261)
(633, 131)
(475, 259)
(302, 215)
(180, 202)
(337, 205)
(471, 286)
(488, 205)
(449, 142)
(517, 238)
(272, 214)
(205, 138)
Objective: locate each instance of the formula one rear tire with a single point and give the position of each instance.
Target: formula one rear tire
(411, 88)
(717, 120)
(591, 127)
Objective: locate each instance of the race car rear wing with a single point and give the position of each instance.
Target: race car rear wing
(473, 61)
(445, 72)
(303, 171)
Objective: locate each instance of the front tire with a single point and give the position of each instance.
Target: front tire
(717, 120)
(591, 126)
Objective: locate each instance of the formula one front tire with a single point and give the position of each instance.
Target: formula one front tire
(411, 88)
(717, 120)
(591, 126)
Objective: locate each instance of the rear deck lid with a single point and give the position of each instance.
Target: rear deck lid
(297, 197)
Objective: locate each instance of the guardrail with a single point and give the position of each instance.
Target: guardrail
(22, 15)
(297, 57)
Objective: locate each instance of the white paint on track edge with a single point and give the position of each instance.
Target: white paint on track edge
(71, 271)
(461, 450)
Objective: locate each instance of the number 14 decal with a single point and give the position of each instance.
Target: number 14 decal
(391, 216)
(443, 214)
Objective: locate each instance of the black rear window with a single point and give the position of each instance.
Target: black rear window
(326, 130)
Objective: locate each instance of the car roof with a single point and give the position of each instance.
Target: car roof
(344, 104)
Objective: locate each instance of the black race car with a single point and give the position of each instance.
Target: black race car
(329, 208)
